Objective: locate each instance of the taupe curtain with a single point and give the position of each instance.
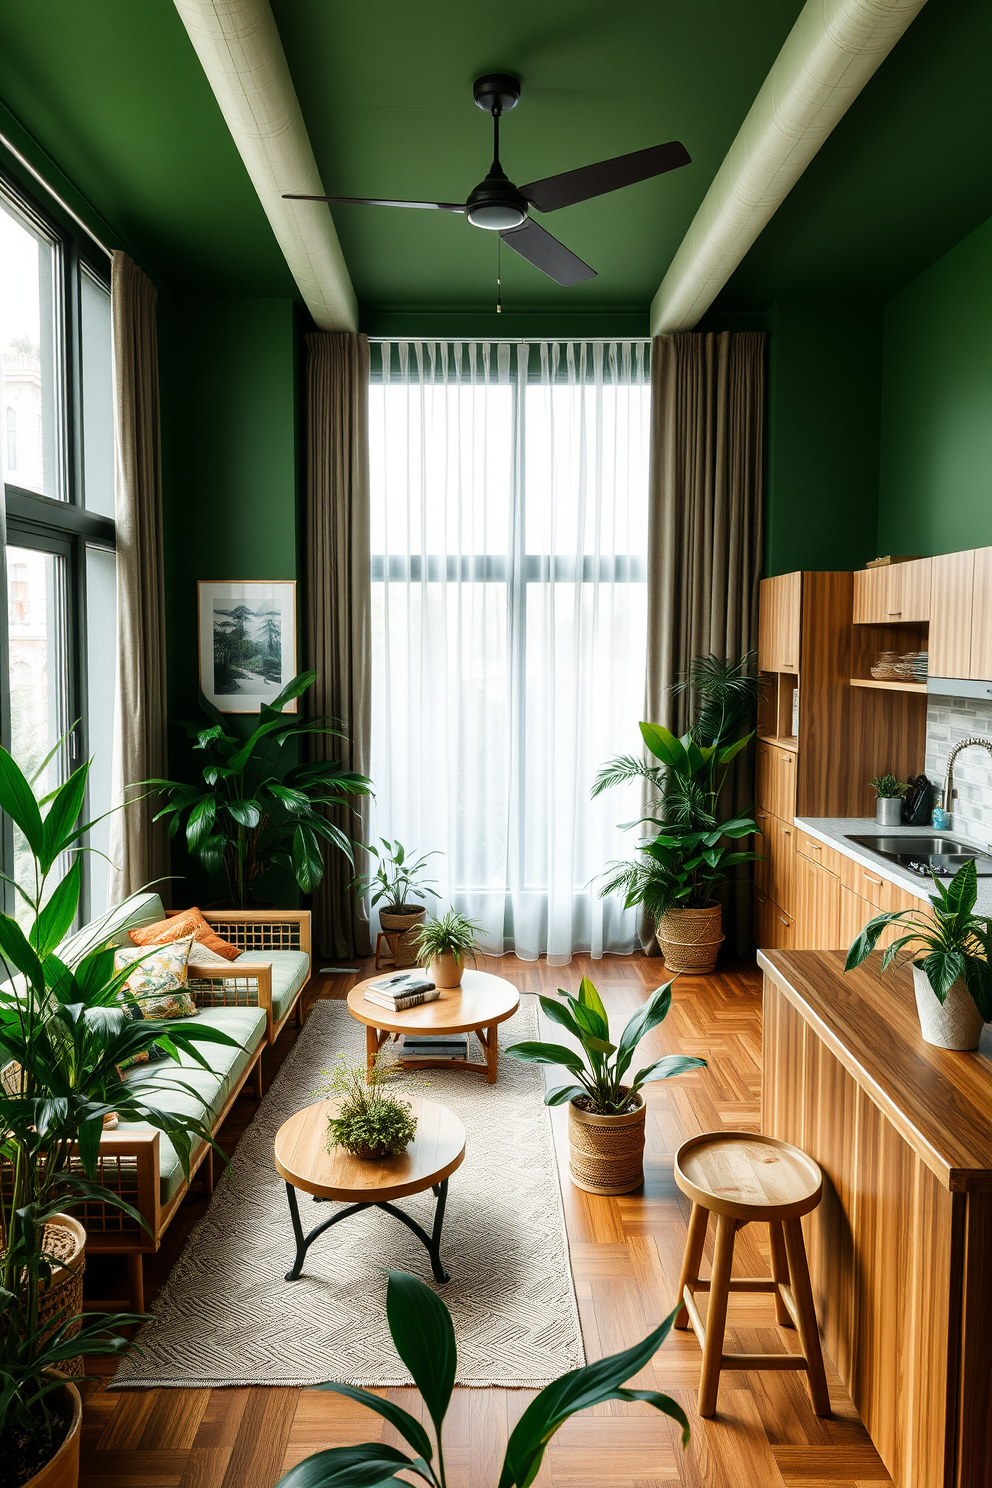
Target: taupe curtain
(705, 525)
(338, 601)
(139, 847)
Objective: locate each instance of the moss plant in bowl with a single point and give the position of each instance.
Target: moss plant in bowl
(443, 944)
(367, 1122)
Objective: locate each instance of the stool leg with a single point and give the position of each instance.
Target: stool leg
(809, 1337)
(716, 1314)
(780, 1270)
(694, 1242)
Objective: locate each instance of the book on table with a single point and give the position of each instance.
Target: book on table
(398, 1002)
(452, 1046)
(400, 983)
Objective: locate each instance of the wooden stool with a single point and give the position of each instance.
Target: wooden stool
(742, 1177)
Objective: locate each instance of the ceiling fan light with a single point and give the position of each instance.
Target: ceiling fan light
(496, 216)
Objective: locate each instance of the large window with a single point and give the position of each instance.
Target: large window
(509, 604)
(59, 619)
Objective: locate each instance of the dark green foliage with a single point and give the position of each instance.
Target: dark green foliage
(398, 880)
(247, 815)
(421, 1330)
(947, 942)
(887, 786)
(369, 1122)
(605, 1084)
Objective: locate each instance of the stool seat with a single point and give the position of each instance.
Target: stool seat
(743, 1178)
(748, 1176)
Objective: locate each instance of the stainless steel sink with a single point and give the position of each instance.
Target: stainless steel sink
(927, 853)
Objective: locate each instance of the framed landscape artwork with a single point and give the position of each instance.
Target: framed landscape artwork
(247, 643)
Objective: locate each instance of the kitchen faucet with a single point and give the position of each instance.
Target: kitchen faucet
(949, 777)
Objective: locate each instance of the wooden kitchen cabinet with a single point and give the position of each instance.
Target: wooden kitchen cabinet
(981, 618)
(952, 584)
(853, 914)
(895, 594)
(774, 873)
(779, 622)
(774, 929)
(818, 913)
(776, 781)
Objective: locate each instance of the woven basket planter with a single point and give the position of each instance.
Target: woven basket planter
(690, 939)
(63, 1295)
(62, 1471)
(954, 1023)
(400, 930)
(606, 1152)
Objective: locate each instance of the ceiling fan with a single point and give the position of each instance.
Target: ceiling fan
(499, 206)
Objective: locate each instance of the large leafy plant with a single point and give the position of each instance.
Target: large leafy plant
(421, 1329)
(600, 1066)
(248, 814)
(948, 942)
(397, 881)
(67, 1026)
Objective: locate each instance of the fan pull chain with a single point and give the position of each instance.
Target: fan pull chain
(499, 251)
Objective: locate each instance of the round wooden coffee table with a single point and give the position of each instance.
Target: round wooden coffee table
(302, 1158)
(478, 1006)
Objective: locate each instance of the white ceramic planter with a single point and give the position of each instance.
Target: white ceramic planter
(953, 1024)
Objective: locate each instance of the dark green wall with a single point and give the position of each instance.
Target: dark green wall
(230, 474)
(824, 391)
(936, 442)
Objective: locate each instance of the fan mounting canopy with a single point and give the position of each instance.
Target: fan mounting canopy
(497, 90)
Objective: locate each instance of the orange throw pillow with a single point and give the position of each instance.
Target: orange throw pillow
(177, 926)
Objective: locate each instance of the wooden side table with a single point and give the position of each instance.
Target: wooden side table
(478, 1006)
(303, 1160)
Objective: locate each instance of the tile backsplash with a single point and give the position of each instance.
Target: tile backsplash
(949, 720)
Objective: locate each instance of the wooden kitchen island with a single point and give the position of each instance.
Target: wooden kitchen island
(900, 1248)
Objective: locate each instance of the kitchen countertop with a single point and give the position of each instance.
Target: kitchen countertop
(834, 831)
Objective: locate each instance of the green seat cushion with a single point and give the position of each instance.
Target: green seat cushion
(290, 970)
(247, 1026)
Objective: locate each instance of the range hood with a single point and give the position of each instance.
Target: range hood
(966, 687)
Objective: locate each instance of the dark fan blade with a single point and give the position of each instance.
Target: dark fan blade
(378, 201)
(547, 254)
(596, 180)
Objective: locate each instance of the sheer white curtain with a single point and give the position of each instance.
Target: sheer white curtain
(509, 527)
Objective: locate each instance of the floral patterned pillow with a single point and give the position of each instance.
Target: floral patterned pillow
(159, 978)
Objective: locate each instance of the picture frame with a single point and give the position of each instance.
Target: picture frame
(247, 631)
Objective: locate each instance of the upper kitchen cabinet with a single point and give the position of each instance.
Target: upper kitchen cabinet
(981, 616)
(961, 615)
(894, 594)
(778, 623)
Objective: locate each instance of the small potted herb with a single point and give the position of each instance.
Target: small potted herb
(397, 883)
(889, 794)
(949, 948)
(606, 1109)
(364, 1120)
(443, 944)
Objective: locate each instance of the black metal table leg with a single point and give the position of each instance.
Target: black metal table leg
(431, 1242)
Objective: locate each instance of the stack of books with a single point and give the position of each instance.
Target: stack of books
(403, 989)
(452, 1046)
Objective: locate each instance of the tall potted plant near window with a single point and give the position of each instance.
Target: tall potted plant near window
(679, 869)
(66, 1031)
(398, 883)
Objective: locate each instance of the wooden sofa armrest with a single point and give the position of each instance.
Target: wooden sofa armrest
(241, 983)
(128, 1165)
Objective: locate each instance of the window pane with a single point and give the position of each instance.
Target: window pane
(36, 628)
(101, 648)
(98, 397)
(28, 356)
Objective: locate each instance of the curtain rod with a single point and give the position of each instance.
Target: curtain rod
(23, 160)
(503, 340)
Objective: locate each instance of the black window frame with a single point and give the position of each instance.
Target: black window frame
(60, 524)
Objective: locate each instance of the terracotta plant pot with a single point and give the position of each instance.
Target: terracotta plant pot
(690, 939)
(955, 1023)
(62, 1471)
(65, 1238)
(446, 970)
(400, 930)
(606, 1152)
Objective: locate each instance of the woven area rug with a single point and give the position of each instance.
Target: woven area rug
(227, 1317)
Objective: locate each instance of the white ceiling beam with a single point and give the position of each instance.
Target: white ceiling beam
(828, 57)
(241, 53)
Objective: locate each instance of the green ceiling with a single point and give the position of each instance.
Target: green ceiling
(113, 92)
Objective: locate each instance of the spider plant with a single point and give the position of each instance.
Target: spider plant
(421, 1329)
(450, 934)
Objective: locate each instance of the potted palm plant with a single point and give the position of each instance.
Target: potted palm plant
(247, 814)
(680, 869)
(606, 1110)
(66, 1031)
(443, 944)
(397, 883)
(421, 1329)
(949, 948)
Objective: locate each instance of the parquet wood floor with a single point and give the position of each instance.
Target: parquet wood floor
(625, 1254)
